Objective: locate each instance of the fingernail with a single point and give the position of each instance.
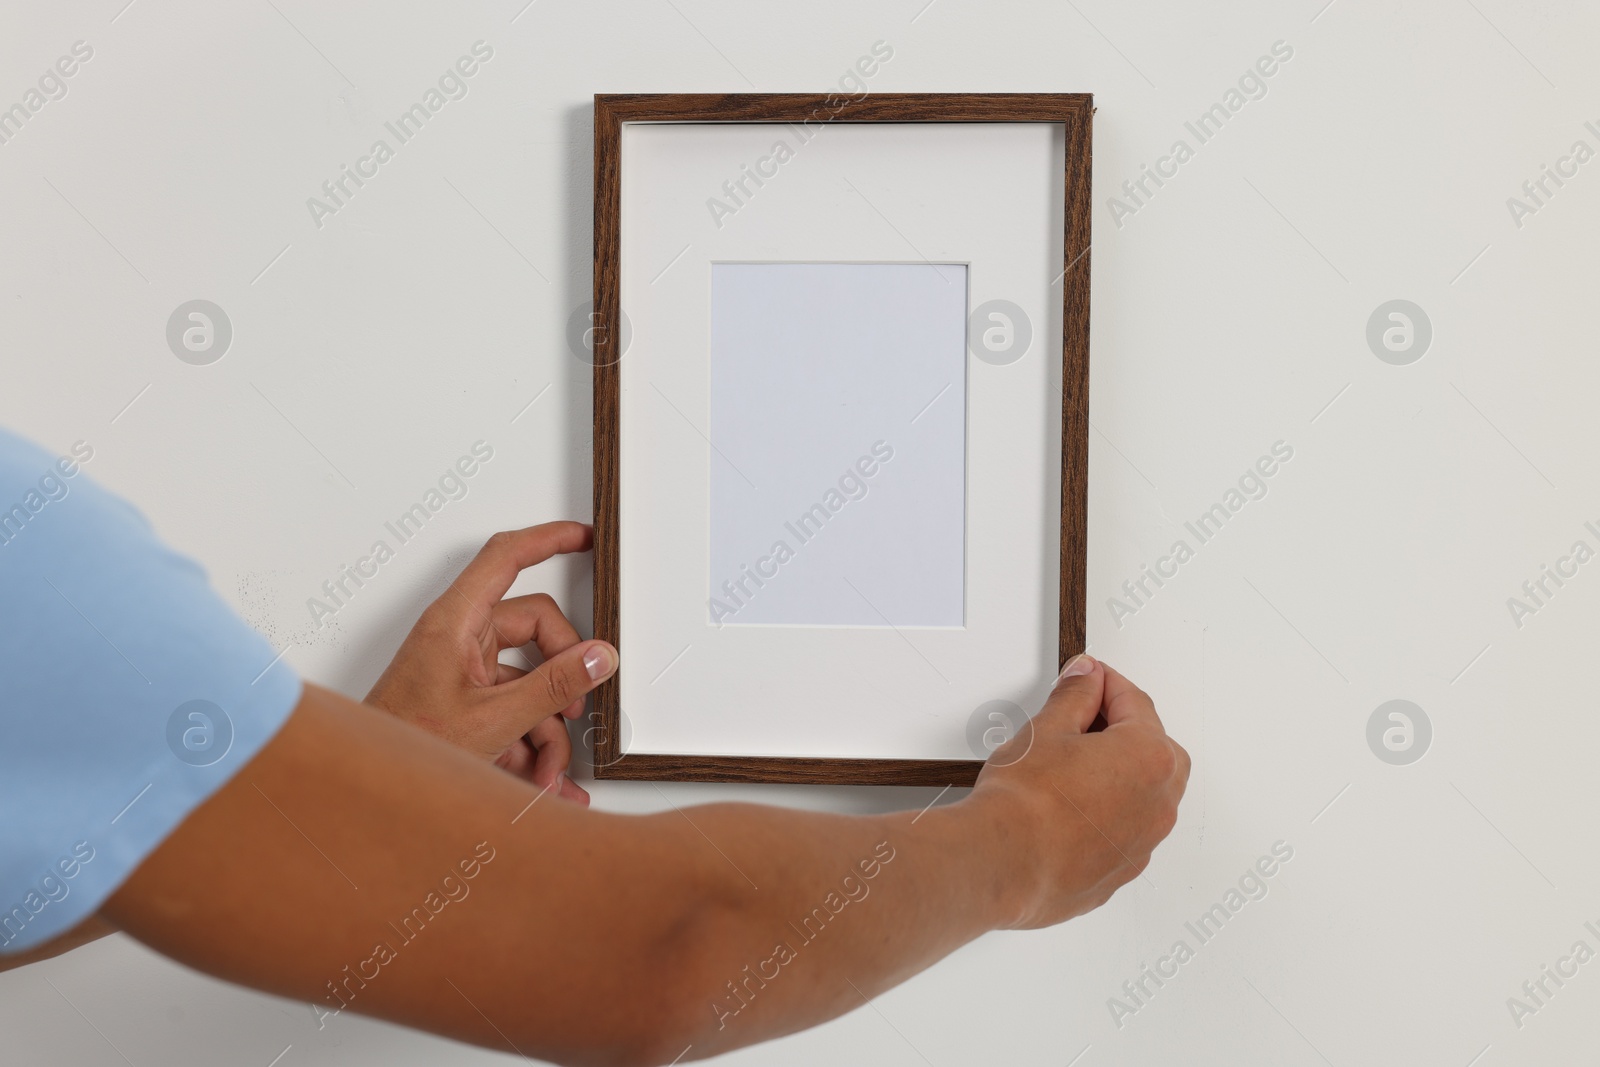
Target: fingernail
(597, 661)
(559, 784)
(1077, 666)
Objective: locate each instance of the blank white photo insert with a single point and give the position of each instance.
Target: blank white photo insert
(838, 432)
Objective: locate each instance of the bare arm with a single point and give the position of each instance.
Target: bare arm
(357, 861)
(447, 680)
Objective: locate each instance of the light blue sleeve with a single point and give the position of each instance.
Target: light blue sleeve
(129, 692)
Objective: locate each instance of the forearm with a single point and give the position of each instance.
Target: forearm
(320, 873)
(817, 912)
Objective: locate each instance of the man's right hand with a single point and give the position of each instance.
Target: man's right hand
(1077, 813)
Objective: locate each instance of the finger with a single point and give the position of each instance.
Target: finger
(517, 760)
(552, 688)
(574, 792)
(552, 752)
(1126, 702)
(1075, 700)
(534, 618)
(485, 580)
(504, 672)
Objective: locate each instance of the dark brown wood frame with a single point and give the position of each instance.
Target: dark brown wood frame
(1073, 110)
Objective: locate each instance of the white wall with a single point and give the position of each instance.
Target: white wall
(1229, 311)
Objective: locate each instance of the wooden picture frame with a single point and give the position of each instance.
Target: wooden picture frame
(1074, 112)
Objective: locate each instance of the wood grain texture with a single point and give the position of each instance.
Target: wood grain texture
(1075, 252)
(656, 767)
(1075, 112)
(835, 107)
(607, 413)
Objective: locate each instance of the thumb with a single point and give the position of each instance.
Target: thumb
(1077, 696)
(525, 702)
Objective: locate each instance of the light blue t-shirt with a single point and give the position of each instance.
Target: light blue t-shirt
(129, 692)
